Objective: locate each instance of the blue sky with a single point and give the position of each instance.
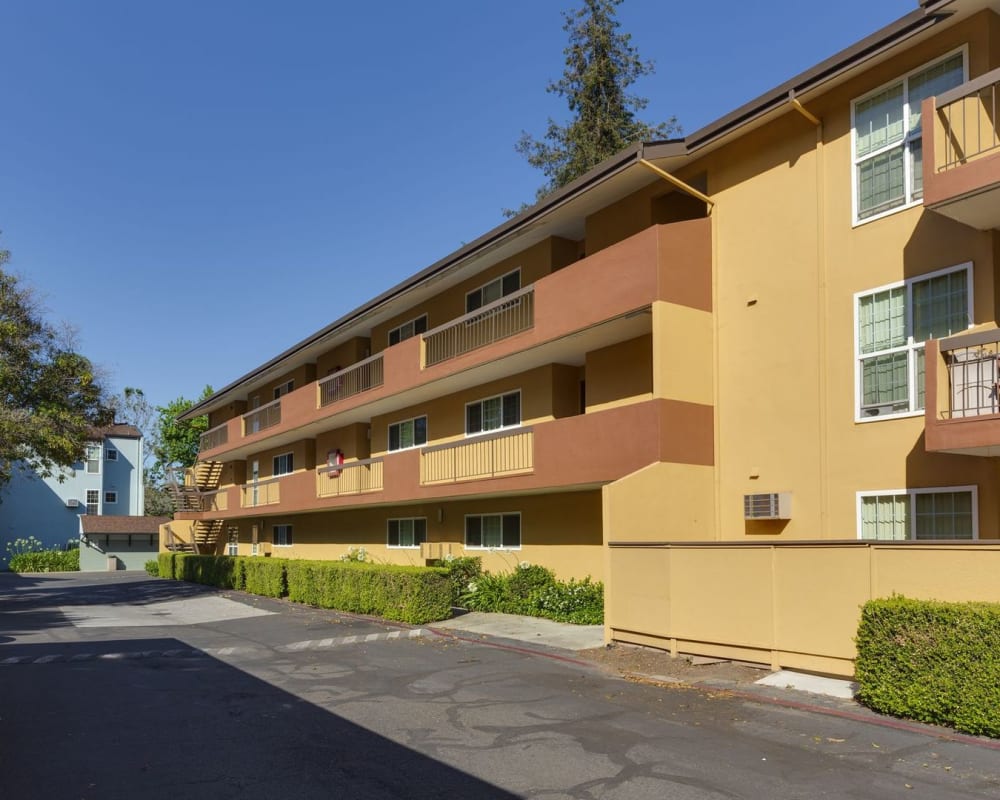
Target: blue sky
(195, 186)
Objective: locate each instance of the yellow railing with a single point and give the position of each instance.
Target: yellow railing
(260, 493)
(355, 379)
(215, 501)
(968, 122)
(352, 477)
(214, 437)
(262, 418)
(498, 320)
(491, 456)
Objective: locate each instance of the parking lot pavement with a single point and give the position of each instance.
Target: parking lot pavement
(239, 707)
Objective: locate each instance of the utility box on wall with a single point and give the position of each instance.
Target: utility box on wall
(770, 505)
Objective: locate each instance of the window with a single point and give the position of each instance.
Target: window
(950, 513)
(285, 388)
(110, 497)
(888, 171)
(93, 501)
(111, 454)
(94, 458)
(494, 290)
(892, 325)
(282, 535)
(408, 329)
(493, 413)
(409, 433)
(283, 464)
(407, 532)
(488, 531)
(233, 545)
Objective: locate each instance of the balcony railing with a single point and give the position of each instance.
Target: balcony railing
(215, 501)
(262, 418)
(214, 437)
(973, 376)
(491, 456)
(260, 493)
(355, 379)
(498, 320)
(353, 477)
(971, 126)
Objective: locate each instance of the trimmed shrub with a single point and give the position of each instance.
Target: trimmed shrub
(221, 571)
(932, 661)
(166, 564)
(264, 576)
(533, 591)
(46, 561)
(153, 568)
(406, 594)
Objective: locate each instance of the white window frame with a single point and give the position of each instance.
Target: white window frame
(501, 514)
(908, 137)
(399, 329)
(391, 425)
(282, 529)
(416, 546)
(911, 347)
(283, 389)
(111, 454)
(499, 279)
(233, 542)
(111, 498)
(97, 501)
(911, 495)
(274, 464)
(93, 455)
(502, 427)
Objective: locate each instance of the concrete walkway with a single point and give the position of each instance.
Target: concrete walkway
(525, 629)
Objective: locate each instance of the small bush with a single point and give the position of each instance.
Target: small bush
(166, 565)
(406, 594)
(46, 561)
(931, 661)
(461, 572)
(153, 568)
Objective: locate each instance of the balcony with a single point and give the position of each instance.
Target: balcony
(262, 418)
(491, 456)
(492, 323)
(350, 478)
(963, 409)
(216, 501)
(961, 152)
(356, 379)
(260, 493)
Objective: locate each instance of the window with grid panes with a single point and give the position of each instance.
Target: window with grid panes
(408, 330)
(494, 290)
(918, 514)
(408, 433)
(893, 323)
(887, 138)
(493, 413)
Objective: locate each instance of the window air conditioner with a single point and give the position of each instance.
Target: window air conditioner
(72, 502)
(773, 505)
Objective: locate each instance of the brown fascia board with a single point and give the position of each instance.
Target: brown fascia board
(849, 58)
(603, 171)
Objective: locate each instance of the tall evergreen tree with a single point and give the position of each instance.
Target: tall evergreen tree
(601, 64)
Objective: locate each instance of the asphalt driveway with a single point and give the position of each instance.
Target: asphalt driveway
(124, 686)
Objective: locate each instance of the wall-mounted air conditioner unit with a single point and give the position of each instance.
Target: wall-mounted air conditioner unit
(72, 502)
(772, 505)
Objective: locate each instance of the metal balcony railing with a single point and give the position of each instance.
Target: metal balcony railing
(352, 477)
(492, 455)
(974, 376)
(262, 418)
(355, 379)
(260, 493)
(968, 115)
(214, 437)
(498, 320)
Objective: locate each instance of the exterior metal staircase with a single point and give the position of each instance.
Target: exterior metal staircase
(186, 488)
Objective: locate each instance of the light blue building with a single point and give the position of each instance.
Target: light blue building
(108, 482)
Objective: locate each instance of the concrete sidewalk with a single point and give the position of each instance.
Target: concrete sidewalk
(525, 629)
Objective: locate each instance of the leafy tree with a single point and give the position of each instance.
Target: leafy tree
(131, 406)
(50, 396)
(177, 441)
(601, 64)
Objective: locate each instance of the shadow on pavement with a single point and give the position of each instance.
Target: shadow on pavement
(191, 726)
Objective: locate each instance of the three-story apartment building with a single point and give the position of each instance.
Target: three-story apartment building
(749, 377)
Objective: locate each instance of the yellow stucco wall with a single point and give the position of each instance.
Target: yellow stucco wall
(621, 373)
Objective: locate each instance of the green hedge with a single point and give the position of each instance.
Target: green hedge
(932, 661)
(46, 561)
(406, 594)
(264, 576)
(221, 571)
(166, 561)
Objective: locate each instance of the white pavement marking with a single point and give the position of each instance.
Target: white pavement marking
(319, 644)
(191, 611)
